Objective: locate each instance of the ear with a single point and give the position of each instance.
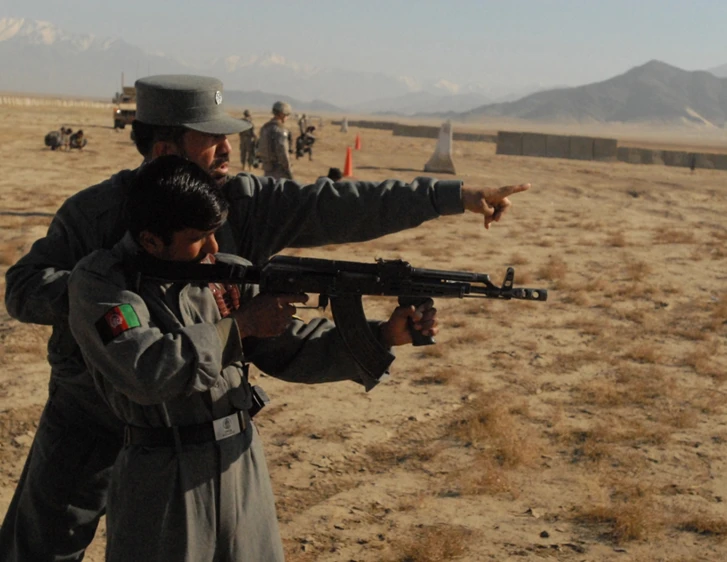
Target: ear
(151, 243)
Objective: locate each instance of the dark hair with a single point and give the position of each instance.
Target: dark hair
(170, 194)
(335, 174)
(146, 135)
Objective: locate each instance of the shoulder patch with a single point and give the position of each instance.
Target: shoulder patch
(116, 321)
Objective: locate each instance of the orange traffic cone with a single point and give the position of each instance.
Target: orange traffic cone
(358, 142)
(348, 167)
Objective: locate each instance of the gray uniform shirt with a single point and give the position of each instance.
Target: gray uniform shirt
(183, 353)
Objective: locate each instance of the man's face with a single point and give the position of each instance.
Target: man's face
(189, 244)
(209, 152)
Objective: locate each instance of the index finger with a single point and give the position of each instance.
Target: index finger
(289, 299)
(508, 190)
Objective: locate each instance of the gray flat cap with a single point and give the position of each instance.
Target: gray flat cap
(185, 100)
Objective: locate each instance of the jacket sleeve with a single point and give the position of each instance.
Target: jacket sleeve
(267, 216)
(142, 362)
(36, 286)
(311, 353)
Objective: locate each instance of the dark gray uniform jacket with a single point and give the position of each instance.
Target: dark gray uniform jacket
(181, 367)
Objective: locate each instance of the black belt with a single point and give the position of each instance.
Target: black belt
(234, 424)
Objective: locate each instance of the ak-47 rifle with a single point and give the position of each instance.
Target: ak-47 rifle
(343, 283)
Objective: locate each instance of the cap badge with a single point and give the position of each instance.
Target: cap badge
(218, 97)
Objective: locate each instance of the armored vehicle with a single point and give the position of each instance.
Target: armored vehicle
(124, 107)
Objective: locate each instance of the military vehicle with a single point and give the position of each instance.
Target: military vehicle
(124, 107)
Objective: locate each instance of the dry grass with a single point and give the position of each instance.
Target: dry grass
(624, 519)
(432, 544)
(636, 270)
(554, 270)
(490, 424)
(667, 235)
(616, 239)
(443, 375)
(643, 353)
(9, 253)
(704, 524)
(483, 476)
(519, 259)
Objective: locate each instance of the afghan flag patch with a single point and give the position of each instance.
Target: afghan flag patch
(116, 321)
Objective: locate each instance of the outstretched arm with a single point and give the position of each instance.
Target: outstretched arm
(267, 216)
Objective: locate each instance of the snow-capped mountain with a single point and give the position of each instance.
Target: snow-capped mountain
(37, 56)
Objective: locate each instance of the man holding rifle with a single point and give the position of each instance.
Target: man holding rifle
(172, 368)
(61, 494)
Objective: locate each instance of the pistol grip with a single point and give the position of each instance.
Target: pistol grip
(417, 338)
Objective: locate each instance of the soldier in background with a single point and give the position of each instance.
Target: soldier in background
(58, 139)
(77, 140)
(247, 142)
(275, 144)
(303, 124)
(304, 144)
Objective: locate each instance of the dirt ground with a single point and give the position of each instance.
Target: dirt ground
(591, 427)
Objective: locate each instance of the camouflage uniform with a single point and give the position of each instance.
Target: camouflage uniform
(62, 491)
(247, 145)
(194, 358)
(273, 149)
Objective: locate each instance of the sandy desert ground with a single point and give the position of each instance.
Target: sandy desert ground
(592, 427)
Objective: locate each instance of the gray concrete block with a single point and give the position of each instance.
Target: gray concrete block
(581, 148)
(534, 144)
(557, 146)
(628, 154)
(474, 137)
(719, 161)
(421, 131)
(649, 156)
(704, 161)
(605, 150)
(509, 143)
(676, 158)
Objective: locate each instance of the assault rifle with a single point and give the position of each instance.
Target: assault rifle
(342, 284)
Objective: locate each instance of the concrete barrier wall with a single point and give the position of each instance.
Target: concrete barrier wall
(676, 158)
(710, 161)
(534, 144)
(21, 101)
(605, 150)
(383, 125)
(580, 148)
(635, 155)
(557, 146)
(509, 143)
(422, 131)
(474, 137)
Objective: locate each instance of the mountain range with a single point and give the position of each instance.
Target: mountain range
(85, 65)
(653, 92)
(73, 64)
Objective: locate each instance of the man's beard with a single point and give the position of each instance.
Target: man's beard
(214, 169)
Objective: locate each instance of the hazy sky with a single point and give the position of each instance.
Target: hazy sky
(521, 42)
